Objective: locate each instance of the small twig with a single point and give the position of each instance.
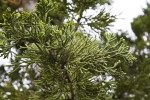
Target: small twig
(67, 73)
(78, 20)
(53, 55)
(80, 15)
(70, 81)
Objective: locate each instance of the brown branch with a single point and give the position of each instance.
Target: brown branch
(80, 16)
(70, 81)
(67, 73)
(53, 55)
(71, 86)
(78, 20)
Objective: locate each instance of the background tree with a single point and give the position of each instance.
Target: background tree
(61, 60)
(135, 85)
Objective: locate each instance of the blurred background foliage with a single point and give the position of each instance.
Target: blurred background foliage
(136, 84)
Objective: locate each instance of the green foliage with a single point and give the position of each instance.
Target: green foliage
(135, 85)
(3, 7)
(101, 22)
(140, 26)
(71, 64)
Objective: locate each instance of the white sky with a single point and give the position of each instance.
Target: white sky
(126, 11)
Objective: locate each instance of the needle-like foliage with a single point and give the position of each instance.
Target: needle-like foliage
(71, 64)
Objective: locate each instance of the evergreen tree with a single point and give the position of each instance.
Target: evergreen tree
(135, 85)
(61, 60)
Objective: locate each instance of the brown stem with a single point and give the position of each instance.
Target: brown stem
(53, 55)
(65, 1)
(70, 81)
(80, 15)
(78, 20)
(67, 73)
(71, 86)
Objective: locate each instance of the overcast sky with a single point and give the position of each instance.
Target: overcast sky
(126, 11)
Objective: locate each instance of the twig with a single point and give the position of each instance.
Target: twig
(67, 73)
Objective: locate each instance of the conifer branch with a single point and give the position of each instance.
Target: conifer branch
(70, 81)
(53, 55)
(71, 86)
(75, 72)
(67, 73)
(78, 20)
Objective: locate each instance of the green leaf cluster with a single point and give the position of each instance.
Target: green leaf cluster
(60, 62)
